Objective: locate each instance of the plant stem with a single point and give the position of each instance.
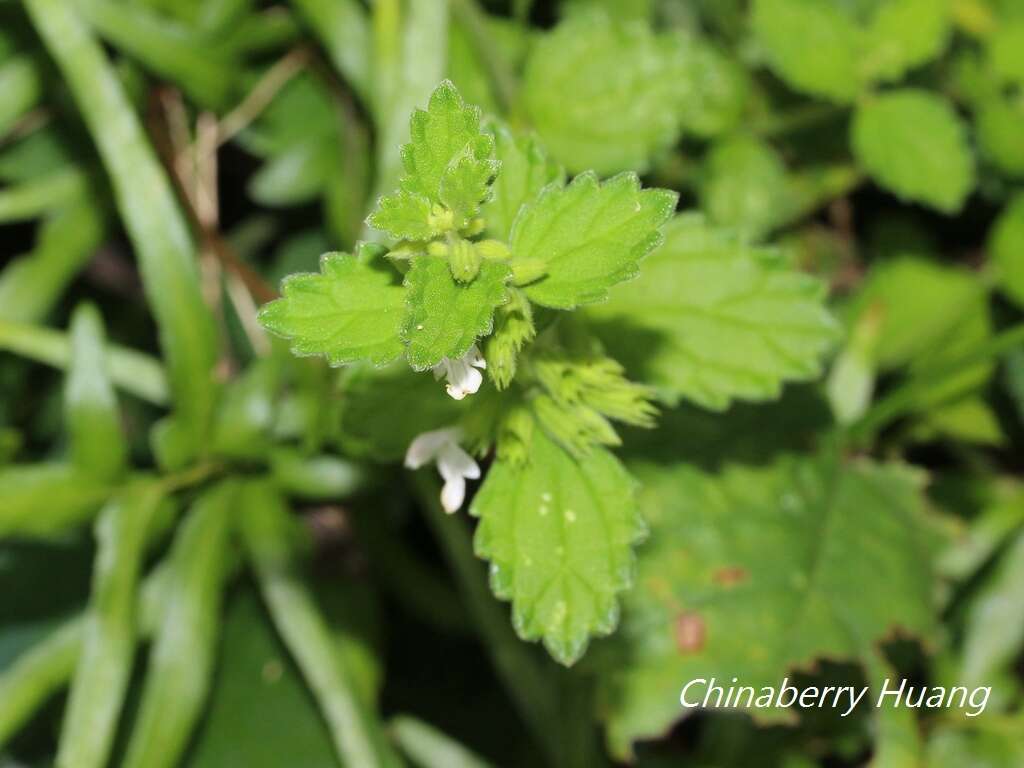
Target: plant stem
(506, 85)
(430, 748)
(267, 529)
(533, 694)
(903, 399)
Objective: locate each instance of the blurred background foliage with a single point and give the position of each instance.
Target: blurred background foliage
(248, 579)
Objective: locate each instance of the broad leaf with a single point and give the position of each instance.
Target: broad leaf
(712, 320)
(810, 44)
(588, 236)
(755, 572)
(559, 532)
(525, 171)
(350, 310)
(934, 167)
(902, 35)
(449, 162)
(605, 95)
(444, 318)
(835, 51)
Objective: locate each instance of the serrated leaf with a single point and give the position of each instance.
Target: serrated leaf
(755, 572)
(525, 171)
(933, 166)
(590, 236)
(444, 318)
(712, 320)
(810, 44)
(604, 95)
(348, 311)
(405, 216)
(559, 533)
(449, 161)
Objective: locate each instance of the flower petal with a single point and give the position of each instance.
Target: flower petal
(426, 447)
(453, 494)
(454, 462)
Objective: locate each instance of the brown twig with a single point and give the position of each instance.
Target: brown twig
(262, 94)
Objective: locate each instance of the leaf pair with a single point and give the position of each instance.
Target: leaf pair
(449, 165)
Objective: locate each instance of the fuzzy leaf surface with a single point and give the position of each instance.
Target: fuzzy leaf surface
(605, 95)
(559, 533)
(525, 171)
(448, 161)
(348, 311)
(754, 572)
(443, 318)
(712, 320)
(589, 235)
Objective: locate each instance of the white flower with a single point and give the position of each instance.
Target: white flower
(454, 464)
(462, 374)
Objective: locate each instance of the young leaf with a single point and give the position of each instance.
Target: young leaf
(588, 236)
(715, 598)
(525, 171)
(513, 329)
(449, 163)
(605, 95)
(94, 422)
(350, 310)
(934, 167)
(443, 318)
(712, 320)
(559, 534)
(811, 45)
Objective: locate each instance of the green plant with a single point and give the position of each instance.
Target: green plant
(708, 315)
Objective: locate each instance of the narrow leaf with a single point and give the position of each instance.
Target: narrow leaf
(98, 444)
(181, 659)
(101, 678)
(146, 202)
(267, 530)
